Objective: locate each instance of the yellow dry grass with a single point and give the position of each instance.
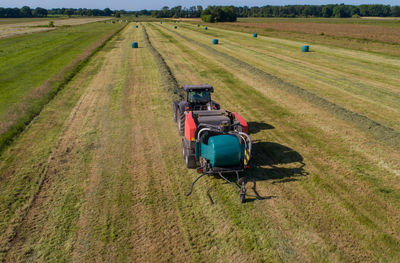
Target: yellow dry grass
(14, 29)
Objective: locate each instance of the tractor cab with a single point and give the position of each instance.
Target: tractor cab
(198, 97)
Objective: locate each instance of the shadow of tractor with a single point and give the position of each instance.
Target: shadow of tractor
(255, 127)
(266, 162)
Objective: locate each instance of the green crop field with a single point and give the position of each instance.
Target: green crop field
(98, 175)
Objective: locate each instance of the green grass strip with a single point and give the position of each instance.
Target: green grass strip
(9, 136)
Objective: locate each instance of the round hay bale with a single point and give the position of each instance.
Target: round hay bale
(175, 27)
(137, 26)
(160, 22)
(305, 48)
(215, 41)
(255, 35)
(198, 25)
(135, 45)
(205, 28)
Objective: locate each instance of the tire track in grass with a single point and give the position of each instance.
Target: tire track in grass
(336, 191)
(382, 133)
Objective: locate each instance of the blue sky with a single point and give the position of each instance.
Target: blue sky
(157, 4)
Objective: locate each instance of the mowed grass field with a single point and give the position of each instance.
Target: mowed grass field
(99, 175)
(32, 68)
(373, 35)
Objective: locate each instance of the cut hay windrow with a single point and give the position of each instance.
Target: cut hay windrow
(381, 132)
(168, 80)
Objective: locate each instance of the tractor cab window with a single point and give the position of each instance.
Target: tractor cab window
(199, 97)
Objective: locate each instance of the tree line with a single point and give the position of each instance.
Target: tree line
(26, 11)
(217, 13)
(339, 11)
(336, 10)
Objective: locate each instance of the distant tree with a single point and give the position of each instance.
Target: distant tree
(395, 11)
(26, 11)
(327, 11)
(364, 11)
(164, 12)
(307, 11)
(12, 12)
(176, 11)
(340, 11)
(68, 12)
(355, 11)
(219, 14)
(107, 12)
(199, 10)
(378, 10)
(39, 12)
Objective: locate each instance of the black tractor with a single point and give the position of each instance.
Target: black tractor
(198, 98)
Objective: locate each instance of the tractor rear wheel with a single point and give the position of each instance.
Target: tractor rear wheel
(190, 160)
(242, 198)
(181, 122)
(184, 150)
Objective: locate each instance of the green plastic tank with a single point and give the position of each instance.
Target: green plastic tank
(223, 151)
